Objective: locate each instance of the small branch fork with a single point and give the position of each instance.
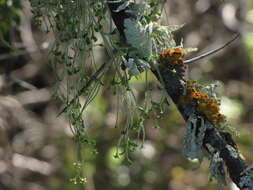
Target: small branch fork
(222, 142)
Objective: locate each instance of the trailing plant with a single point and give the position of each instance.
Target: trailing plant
(139, 45)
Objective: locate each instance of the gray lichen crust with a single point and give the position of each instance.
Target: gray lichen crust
(246, 181)
(139, 37)
(193, 139)
(217, 170)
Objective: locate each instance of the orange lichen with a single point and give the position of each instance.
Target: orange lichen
(192, 93)
(206, 105)
(172, 56)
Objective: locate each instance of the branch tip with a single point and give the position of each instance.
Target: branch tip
(212, 51)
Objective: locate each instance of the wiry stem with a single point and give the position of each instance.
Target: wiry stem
(90, 81)
(212, 51)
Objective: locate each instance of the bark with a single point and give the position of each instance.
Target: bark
(221, 141)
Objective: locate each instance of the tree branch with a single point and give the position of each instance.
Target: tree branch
(211, 52)
(220, 141)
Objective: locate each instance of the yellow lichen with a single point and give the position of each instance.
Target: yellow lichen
(172, 56)
(206, 105)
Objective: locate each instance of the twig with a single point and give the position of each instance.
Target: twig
(92, 78)
(212, 51)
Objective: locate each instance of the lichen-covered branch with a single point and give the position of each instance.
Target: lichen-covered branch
(200, 110)
(214, 141)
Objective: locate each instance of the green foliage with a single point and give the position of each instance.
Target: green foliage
(75, 25)
(78, 179)
(78, 27)
(9, 12)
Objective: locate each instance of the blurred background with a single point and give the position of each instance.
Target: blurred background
(37, 150)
